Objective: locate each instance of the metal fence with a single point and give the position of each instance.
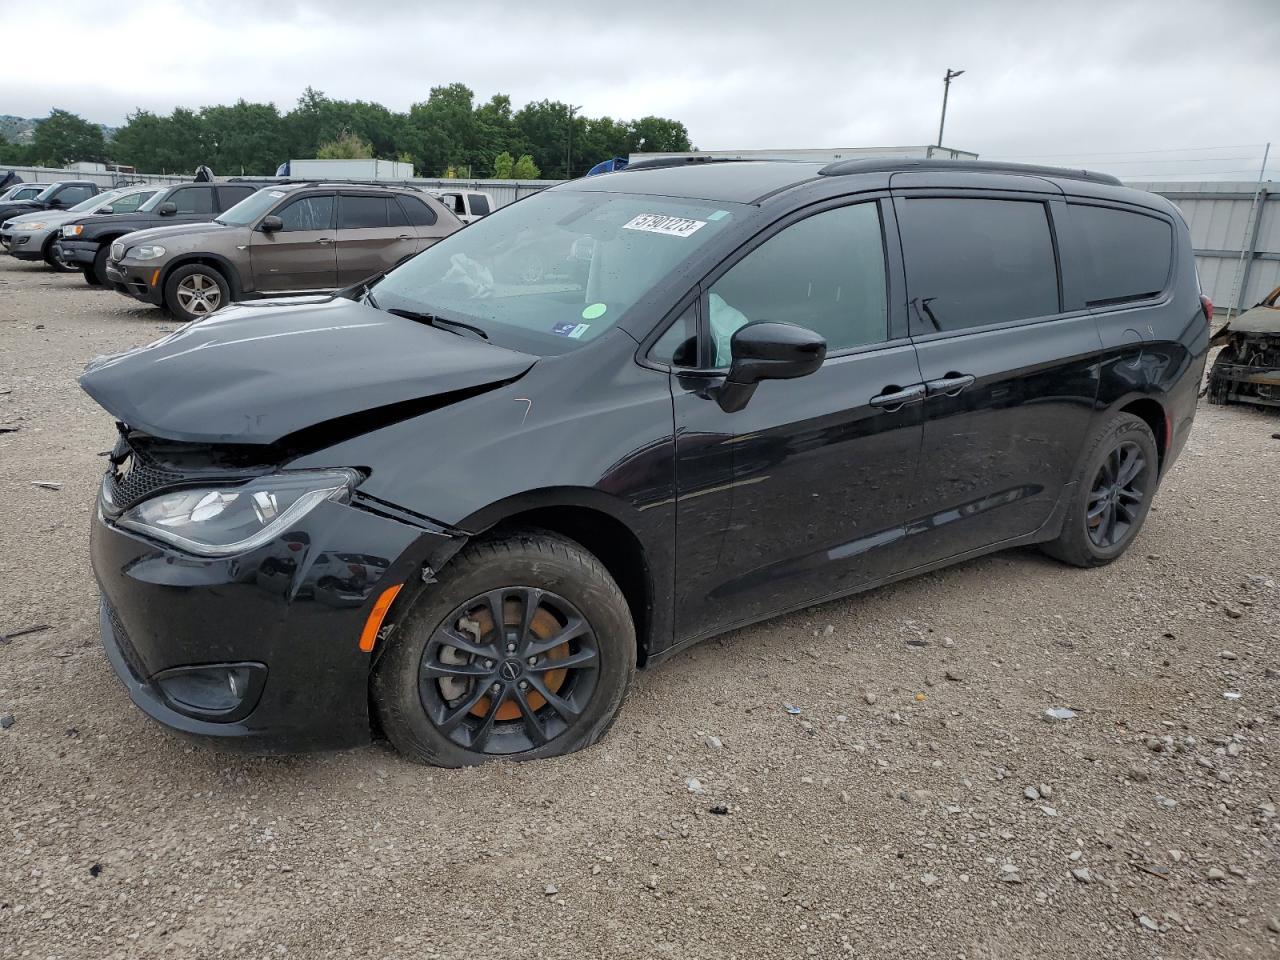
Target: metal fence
(1235, 231)
(101, 178)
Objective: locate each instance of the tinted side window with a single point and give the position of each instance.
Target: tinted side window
(70, 196)
(228, 197)
(826, 272)
(678, 346)
(192, 199)
(479, 204)
(971, 262)
(1129, 254)
(308, 213)
(419, 214)
(356, 213)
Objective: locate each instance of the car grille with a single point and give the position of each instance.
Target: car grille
(134, 476)
(117, 251)
(128, 652)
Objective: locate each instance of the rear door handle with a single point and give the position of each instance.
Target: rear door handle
(895, 397)
(405, 236)
(324, 240)
(950, 385)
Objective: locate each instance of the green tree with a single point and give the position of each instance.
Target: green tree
(63, 138)
(525, 169)
(658, 134)
(347, 146)
(157, 144)
(502, 166)
(245, 138)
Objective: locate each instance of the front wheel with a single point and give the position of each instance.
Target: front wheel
(195, 291)
(1113, 494)
(54, 259)
(91, 276)
(523, 650)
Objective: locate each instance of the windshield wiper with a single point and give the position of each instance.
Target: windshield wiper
(431, 320)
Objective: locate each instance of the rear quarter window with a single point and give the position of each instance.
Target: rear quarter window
(1127, 254)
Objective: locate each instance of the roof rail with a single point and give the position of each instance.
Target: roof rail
(312, 182)
(843, 168)
(656, 163)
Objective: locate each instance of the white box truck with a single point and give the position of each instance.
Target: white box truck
(349, 170)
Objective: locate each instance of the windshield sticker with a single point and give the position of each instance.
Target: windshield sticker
(668, 226)
(276, 193)
(594, 311)
(719, 215)
(570, 329)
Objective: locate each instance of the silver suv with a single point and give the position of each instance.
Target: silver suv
(32, 236)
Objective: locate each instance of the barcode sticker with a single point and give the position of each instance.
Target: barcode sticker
(668, 226)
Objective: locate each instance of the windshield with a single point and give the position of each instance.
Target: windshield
(250, 208)
(154, 201)
(556, 270)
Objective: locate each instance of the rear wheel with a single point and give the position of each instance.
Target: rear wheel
(1113, 494)
(523, 650)
(54, 260)
(195, 290)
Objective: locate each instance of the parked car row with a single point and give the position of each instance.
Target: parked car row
(195, 247)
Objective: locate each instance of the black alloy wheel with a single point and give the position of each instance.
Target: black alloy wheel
(508, 671)
(1119, 492)
(522, 648)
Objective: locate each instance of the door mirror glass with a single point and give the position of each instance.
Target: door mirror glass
(768, 351)
(54, 202)
(107, 209)
(167, 209)
(270, 224)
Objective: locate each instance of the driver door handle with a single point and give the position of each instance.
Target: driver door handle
(324, 240)
(404, 236)
(895, 397)
(950, 385)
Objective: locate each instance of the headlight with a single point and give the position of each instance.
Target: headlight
(150, 251)
(220, 521)
(73, 229)
(37, 225)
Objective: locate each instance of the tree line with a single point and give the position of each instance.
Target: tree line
(448, 134)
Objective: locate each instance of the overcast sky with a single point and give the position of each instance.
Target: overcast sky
(1051, 81)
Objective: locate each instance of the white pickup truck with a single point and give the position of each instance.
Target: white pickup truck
(469, 205)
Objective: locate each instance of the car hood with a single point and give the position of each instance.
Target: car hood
(47, 217)
(172, 230)
(262, 375)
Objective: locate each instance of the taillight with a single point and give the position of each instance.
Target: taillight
(1207, 304)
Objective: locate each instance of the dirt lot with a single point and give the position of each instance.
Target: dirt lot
(919, 805)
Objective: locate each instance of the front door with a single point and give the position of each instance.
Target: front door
(1011, 371)
(801, 495)
(373, 236)
(302, 254)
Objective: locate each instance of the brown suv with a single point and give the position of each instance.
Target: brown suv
(285, 239)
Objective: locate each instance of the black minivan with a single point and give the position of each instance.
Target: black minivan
(461, 502)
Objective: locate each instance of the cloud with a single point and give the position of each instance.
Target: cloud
(1052, 81)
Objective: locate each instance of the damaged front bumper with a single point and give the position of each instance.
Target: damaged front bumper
(260, 651)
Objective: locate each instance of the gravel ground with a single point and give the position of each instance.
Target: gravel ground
(917, 805)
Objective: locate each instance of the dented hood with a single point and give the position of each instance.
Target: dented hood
(257, 374)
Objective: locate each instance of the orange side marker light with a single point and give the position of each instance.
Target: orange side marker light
(369, 635)
(155, 277)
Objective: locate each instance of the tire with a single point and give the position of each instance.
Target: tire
(195, 291)
(1084, 541)
(100, 265)
(434, 717)
(58, 266)
(1219, 386)
(90, 276)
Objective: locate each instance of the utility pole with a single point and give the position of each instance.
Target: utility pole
(946, 89)
(568, 150)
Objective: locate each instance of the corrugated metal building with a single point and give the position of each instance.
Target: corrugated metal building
(1235, 230)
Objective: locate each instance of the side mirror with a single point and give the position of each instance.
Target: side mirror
(167, 209)
(271, 224)
(106, 210)
(53, 202)
(768, 351)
